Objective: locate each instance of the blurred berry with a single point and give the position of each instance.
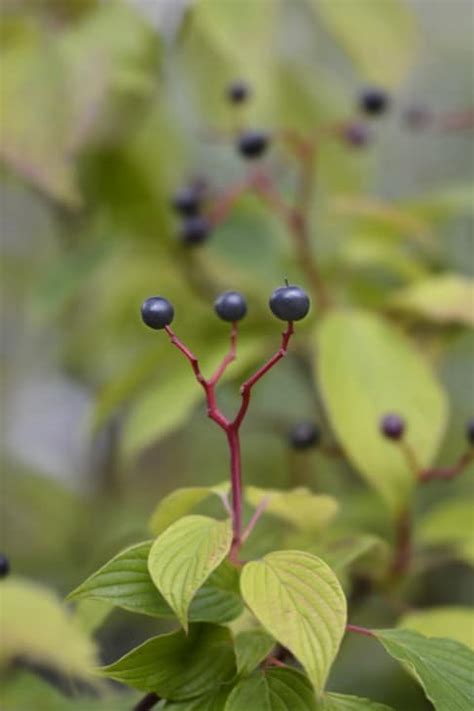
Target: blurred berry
(392, 426)
(374, 101)
(194, 230)
(252, 144)
(304, 435)
(238, 92)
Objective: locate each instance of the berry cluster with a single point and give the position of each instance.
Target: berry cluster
(188, 202)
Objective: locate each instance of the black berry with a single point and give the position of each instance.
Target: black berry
(230, 306)
(252, 144)
(304, 435)
(238, 92)
(470, 431)
(157, 312)
(4, 566)
(392, 426)
(195, 230)
(187, 201)
(374, 101)
(289, 303)
(357, 134)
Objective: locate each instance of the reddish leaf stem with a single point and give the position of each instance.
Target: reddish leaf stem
(360, 630)
(447, 473)
(403, 544)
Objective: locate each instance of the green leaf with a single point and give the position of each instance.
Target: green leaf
(379, 35)
(444, 204)
(299, 507)
(182, 558)
(178, 666)
(214, 701)
(179, 503)
(341, 702)
(299, 600)
(37, 627)
(448, 298)
(251, 648)
(125, 582)
(367, 368)
(91, 614)
(450, 524)
(443, 667)
(454, 622)
(342, 553)
(273, 690)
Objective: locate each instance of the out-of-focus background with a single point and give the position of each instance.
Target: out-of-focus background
(108, 109)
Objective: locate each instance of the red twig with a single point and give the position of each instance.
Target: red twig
(403, 544)
(447, 473)
(360, 630)
(256, 515)
(229, 358)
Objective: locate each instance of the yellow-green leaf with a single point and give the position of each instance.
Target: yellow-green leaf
(453, 622)
(367, 368)
(182, 558)
(179, 502)
(379, 35)
(36, 626)
(272, 690)
(299, 600)
(448, 298)
(251, 648)
(450, 524)
(300, 507)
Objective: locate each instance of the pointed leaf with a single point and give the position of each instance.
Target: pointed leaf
(443, 667)
(251, 648)
(179, 503)
(178, 666)
(448, 298)
(37, 627)
(341, 702)
(273, 690)
(299, 507)
(124, 581)
(367, 368)
(379, 35)
(454, 622)
(299, 600)
(214, 701)
(184, 556)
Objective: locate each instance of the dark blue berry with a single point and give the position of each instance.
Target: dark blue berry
(252, 144)
(230, 306)
(157, 312)
(187, 201)
(357, 134)
(470, 431)
(304, 435)
(392, 426)
(374, 101)
(4, 566)
(195, 230)
(289, 303)
(238, 92)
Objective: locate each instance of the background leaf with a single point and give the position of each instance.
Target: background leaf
(454, 622)
(178, 503)
(341, 702)
(450, 524)
(448, 298)
(300, 507)
(442, 666)
(367, 369)
(184, 556)
(299, 600)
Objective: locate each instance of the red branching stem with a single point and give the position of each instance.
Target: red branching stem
(226, 201)
(447, 473)
(274, 662)
(456, 121)
(256, 515)
(360, 630)
(231, 428)
(246, 388)
(403, 544)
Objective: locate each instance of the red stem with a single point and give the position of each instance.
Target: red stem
(236, 485)
(447, 473)
(403, 543)
(360, 630)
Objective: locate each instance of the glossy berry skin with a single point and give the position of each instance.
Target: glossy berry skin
(157, 312)
(238, 92)
(374, 101)
(392, 426)
(470, 432)
(252, 144)
(4, 566)
(230, 306)
(186, 201)
(289, 303)
(194, 230)
(304, 435)
(357, 134)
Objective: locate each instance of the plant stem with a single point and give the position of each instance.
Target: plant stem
(403, 536)
(360, 630)
(447, 473)
(147, 702)
(236, 486)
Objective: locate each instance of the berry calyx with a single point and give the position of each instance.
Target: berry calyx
(194, 230)
(304, 435)
(230, 306)
(238, 92)
(470, 432)
(157, 312)
(4, 566)
(187, 201)
(252, 144)
(357, 134)
(374, 101)
(289, 303)
(392, 426)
